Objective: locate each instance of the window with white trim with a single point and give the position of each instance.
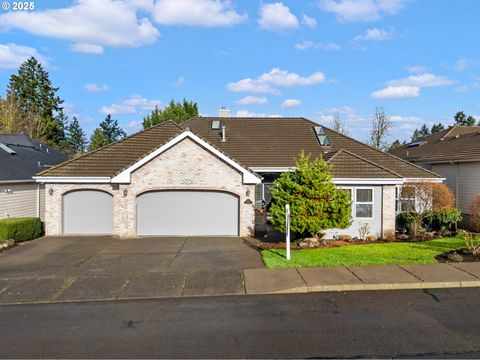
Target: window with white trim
(404, 199)
(364, 203)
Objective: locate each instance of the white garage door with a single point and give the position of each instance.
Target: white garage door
(194, 213)
(87, 212)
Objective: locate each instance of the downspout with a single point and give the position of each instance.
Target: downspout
(38, 199)
(381, 222)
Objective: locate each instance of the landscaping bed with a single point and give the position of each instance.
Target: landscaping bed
(456, 256)
(368, 254)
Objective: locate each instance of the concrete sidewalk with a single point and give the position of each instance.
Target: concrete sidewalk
(236, 282)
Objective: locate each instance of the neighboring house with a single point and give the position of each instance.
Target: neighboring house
(207, 175)
(453, 153)
(20, 159)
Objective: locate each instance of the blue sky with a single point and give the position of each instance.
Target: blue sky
(418, 59)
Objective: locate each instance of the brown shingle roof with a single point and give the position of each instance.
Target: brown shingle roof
(455, 143)
(253, 142)
(113, 158)
(347, 165)
(275, 142)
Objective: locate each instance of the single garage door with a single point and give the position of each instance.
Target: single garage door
(194, 213)
(87, 212)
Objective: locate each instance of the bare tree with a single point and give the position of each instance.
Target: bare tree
(380, 130)
(338, 125)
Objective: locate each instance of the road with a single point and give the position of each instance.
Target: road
(433, 323)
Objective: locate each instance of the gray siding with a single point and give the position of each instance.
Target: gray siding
(375, 222)
(468, 186)
(19, 200)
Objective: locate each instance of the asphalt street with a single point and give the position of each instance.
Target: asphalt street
(402, 324)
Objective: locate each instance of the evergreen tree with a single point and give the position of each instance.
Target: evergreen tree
(75, 137)
(436, 128)
(463, 120)
(420, 134)
(111, 130)
(396, 144)
(316, 203)
(97, 140)
(39, 101)
(177, 112)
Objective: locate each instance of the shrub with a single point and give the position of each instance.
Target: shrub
(472, 242)
(475, 213)
(442, 219)
(405, 219)
(20, 229)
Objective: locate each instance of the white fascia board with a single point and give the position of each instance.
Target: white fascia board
(272, 169)
(125, 176)
(74, 179)
(363, 181)
(432, 180)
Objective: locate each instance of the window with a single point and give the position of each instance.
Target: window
(404, 199)
(321, 136)
(216, 125)
(364, 203)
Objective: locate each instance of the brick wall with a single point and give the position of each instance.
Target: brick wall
(186, 166)
(388, 213)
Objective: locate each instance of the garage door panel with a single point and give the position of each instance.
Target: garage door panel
(193, 213)
(87, 212)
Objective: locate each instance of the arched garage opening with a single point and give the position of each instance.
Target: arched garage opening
(87, 212)
(188, 213)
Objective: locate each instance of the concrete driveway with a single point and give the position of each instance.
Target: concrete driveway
(86, 268)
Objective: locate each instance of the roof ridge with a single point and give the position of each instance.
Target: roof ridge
(448, 132)
(106, 146)
(377, 150)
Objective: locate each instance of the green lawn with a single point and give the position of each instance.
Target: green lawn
(370, 254)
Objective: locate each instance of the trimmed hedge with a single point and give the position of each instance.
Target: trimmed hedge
(20, 229)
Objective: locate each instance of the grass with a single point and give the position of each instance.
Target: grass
(370, 254)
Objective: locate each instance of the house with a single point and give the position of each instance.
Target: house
(207, 175)
(454, 154)
(20, 158)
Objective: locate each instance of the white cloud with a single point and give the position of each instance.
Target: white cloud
(87, 48)
(94, 88)
(89, 24)
(397, 92)
(309, 21)
(269, 82)
(463, 64)
(252, 100)
(246, 113)
(417, 69)
(346, 113)
(422, 80)
(277, 17)
(135, 125)
(361, 10)
(180, 81)
(462, 89)
(133, 105)
(288, 103)
(12, 55)
(307, 44)
(207, 13)
(375, 34)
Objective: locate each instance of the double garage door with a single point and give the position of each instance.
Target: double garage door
(193, 213)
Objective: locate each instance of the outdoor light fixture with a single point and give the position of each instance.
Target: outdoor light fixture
(50, 191)
(125, 192)
(248, 192)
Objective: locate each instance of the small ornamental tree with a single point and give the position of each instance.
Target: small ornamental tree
(429, 197)
(316, 204)
(475, 213)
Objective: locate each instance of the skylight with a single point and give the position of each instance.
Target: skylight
(415, 144)
(321, 136)
(216, 124)
(7, 149)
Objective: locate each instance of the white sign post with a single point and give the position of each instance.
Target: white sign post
(287, 229)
